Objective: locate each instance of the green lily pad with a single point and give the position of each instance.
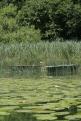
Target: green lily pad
(23, 111)
(8, 108)
(73, 117)
(79, 106)
(45, 117)
(62, 113)
(4, 113)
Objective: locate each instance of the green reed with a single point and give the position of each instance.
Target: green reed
(53, 53)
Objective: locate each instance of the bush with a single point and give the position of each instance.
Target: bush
(24, 34)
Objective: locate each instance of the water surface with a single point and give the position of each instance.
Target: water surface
(40, 99)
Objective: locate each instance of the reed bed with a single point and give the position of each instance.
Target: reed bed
(45, 53)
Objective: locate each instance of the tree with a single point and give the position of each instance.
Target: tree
(54, 18)
(8, 18)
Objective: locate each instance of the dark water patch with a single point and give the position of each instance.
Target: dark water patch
(14, 116)
(61, 115)
(5, 105)
(61, 70)
(72, 109)
(38, 70)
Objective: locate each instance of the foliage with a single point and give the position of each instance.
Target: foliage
(9, 29)
(8, 18)
(54, 18)
(24, 34)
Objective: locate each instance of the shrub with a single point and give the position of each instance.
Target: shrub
(24, 34)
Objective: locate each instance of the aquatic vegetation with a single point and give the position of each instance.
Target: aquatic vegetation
(44, 99)
(53, 53)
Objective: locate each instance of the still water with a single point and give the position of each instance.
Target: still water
(40, 99)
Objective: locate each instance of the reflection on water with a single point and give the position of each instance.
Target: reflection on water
(43, 99)
(20, 117)
(38, 70)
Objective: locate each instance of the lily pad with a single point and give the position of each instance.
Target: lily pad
(62, 113)
(45, 117)
(8, 108)
(4, 113)
(23, 111)
(74, 117)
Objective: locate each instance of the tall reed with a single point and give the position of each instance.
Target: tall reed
(53, 53)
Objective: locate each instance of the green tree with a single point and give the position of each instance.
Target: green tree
(8, 18)
(54, 18)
